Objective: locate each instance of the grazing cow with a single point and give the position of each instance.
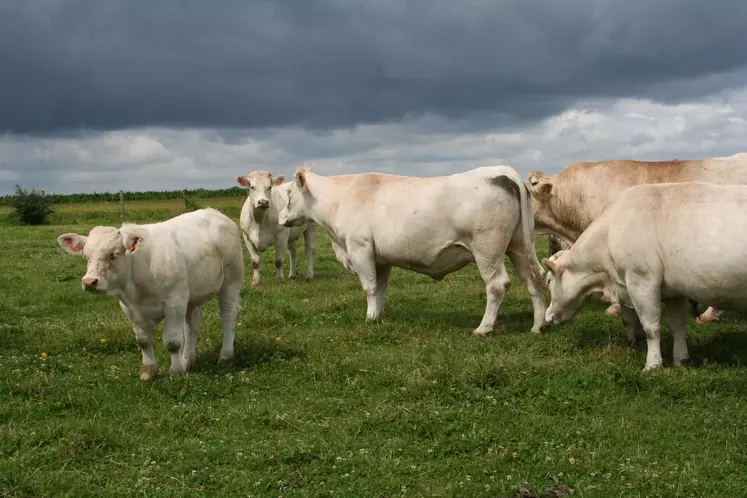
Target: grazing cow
(259, 224)
(167, 271)
(566, 203)
(659, 242)
(433, 226)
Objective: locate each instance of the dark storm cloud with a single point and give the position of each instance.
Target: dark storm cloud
(108, 64)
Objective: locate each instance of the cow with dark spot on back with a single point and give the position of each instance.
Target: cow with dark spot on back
(433, 226)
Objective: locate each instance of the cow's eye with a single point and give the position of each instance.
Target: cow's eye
(251, 187)
(113, 255)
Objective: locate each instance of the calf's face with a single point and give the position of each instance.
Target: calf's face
(295, 211)
(569, 289)
(259, 184)
(105, 250)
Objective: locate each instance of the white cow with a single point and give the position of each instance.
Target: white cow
(666, 241)
(566, 203)
(259, 224)
(433, 226)
(167, 271)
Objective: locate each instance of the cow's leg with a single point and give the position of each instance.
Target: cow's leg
(497, 282)
(309, 237)
(229, 302)
(254, 254)
(709, 315)
(632, 324)
(535, 286)
(382, 282)
(192, 333)
(175, 316)
(281, 245)
(646, 297)
(144, 338)
(293, 273)
(677, 318)
(362, 260)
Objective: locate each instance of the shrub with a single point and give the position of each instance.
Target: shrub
(32, 207)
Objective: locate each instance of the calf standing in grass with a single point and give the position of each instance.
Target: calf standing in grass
(658, 242)
(259, 224)
(433, 226)
(167, 271)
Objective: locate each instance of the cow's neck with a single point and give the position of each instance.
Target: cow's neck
(323, 201)
(568, 211)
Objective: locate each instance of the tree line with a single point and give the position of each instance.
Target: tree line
(148, 195)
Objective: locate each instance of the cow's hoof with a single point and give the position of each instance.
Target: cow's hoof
(178, 370)
(189, 362)
(682, 362)
(147, 371)
(255, 283)
(225, 356)
(309, 278)
(480, 333)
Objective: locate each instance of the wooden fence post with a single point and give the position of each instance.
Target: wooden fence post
(121, 204)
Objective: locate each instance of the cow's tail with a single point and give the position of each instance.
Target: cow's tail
(527, 226)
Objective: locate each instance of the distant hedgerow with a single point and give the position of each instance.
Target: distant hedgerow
(32, 206)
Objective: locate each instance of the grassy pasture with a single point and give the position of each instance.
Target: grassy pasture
(319, 403)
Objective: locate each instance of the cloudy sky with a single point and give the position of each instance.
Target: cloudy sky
(138, 94)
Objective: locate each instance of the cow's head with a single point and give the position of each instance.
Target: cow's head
(295, 212)
(259, 184)
(570, 287)
(542, 190)
(106, 251)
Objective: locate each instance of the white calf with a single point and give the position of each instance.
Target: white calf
(167, 271)
(259, 224)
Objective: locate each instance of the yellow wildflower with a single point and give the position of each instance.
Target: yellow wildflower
(103, 340)
(44, 355)
(277, 338)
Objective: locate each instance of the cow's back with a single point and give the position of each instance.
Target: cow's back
(195, 249)
(694, 237)
(583, 189)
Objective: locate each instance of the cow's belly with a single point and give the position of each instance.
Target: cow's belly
(434, 262)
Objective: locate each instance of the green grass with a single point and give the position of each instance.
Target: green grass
(319, 403)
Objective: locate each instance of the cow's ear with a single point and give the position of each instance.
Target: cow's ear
(553, 266)
(72, 243)
(131, 241)
(544, 190)
(278, 180)
(242, 180)
(534, 177)
(300, 178)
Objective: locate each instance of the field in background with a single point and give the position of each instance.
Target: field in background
(318, 402)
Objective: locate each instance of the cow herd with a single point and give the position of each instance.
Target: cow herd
(638, 233)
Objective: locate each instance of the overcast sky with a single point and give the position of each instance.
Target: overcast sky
(109, 94)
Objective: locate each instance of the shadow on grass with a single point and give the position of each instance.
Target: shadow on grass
(247, 356)
(723, 347)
